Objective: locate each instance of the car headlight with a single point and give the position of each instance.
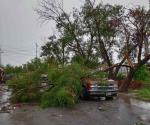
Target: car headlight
(115, 86)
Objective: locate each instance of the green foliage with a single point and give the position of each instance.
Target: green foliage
(144, 93)
(67, 86)
(58, 97)
(55, 50)
(66, 90)
(31, 66)
(25, 87)
(142, 74)
(99, 75)
(13, 70)
(139, 123)
(90, 63)
(93, 22)
(89, 34)
(120, 76)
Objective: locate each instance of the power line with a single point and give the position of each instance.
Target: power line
(14, 61)
(16, 48)
(17, 52)
(22, 50)
(25, 50)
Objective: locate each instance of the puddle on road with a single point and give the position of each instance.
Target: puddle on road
(4, 100)
(5, 94)
(140, 104)
(134, 102)
(144, 107)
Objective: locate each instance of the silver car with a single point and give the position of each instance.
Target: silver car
(96, 89)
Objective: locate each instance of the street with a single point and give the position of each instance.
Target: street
(121, 111)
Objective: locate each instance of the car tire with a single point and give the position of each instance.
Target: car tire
(84, 95)
(109, 97)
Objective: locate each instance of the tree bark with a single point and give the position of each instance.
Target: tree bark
(126, 83)
(111, 74)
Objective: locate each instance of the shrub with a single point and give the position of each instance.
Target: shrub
(120, 76)
(142, 74)
(67, 86)
(99, 75)
(90, 63)
(25, 87)
(144, 93)
(62, 97)
(66, 90)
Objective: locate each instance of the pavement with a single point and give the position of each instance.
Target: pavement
(121, 111)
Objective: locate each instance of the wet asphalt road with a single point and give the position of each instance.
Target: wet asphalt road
(121, 111)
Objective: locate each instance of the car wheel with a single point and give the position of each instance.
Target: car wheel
(109, 97)
(84, 95)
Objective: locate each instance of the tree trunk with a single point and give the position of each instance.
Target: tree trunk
(126, 83)
(110, 74)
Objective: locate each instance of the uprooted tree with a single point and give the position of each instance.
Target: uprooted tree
(136, 30)
(96, 32)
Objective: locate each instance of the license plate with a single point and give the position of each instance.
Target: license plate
(95, 89)
(108, 93)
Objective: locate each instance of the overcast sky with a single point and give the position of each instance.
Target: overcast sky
(20, 27)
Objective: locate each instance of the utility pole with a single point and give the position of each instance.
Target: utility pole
(36, 55)
(62, 4)
(1, 56)
(36, 50)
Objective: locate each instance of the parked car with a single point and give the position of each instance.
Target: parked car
(92, 88)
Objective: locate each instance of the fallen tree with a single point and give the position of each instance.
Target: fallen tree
(108, 30)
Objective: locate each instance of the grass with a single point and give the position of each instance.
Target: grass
(144, 93)
(139, 123)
